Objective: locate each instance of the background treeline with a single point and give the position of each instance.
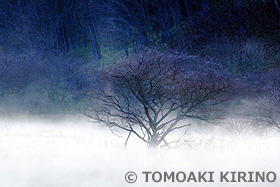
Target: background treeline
(50, 50)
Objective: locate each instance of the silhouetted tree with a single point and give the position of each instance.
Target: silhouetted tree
(152, 95)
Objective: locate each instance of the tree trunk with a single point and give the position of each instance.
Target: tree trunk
(240, 23)
(277, 6)
(278, 9)
(94, 44)
(125, 45)
(154, 142)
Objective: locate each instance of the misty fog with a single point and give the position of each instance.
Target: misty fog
(51, 151)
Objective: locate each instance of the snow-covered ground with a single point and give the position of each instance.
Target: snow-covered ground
(71, 152)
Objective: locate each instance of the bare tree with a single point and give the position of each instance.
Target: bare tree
(153, 93)
(266, 108)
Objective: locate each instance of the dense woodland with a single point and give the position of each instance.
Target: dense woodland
(52, 52)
